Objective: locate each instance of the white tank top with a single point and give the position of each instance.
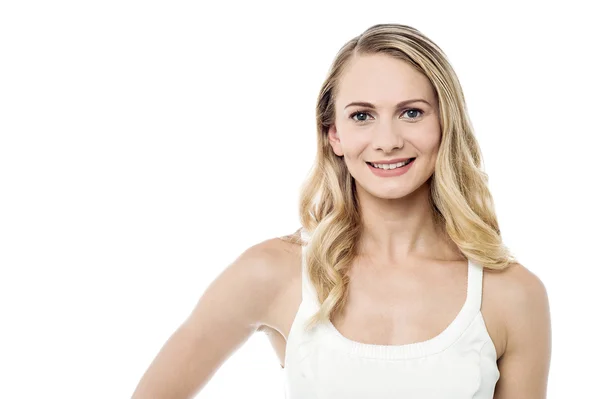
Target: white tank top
(458, 363)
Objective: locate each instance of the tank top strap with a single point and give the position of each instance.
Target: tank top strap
(475, 285)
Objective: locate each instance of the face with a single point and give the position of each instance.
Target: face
(389, 124)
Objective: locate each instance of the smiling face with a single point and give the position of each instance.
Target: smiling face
(385, 111)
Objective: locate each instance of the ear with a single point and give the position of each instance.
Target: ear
(334, 140)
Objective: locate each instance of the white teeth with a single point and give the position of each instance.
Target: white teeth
(390, 166)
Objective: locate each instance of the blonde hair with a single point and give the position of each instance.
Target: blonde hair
(459, 196)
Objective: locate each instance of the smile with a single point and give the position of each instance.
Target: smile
(391, 165)
(390, 170)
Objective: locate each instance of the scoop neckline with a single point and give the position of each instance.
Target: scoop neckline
(440, 342)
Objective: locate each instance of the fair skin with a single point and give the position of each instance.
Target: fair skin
(400, 236)
(402, 255)
(398, 224)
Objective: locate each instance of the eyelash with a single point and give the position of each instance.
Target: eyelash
(365, 112)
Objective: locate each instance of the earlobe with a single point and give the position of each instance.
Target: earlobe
(334, 140)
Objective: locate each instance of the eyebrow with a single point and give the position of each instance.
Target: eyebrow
(400, 104)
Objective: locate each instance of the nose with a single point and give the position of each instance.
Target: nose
(387, 137)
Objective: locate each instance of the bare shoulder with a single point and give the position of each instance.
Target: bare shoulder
(248, 289)
(271, 261)
(519, 290)
(527, 307)
(243, 298)
(268, 266)
(283, 259)
(522, 300)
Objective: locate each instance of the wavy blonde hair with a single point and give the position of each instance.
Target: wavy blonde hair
(459, 196)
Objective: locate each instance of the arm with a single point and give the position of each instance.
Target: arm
(525, 364)
(227, 314)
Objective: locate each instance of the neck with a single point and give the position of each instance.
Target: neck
(395, 230)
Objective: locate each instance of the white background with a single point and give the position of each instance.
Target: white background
(145, 145)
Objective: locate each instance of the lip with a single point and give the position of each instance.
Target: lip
(391, 161)
(390, 172)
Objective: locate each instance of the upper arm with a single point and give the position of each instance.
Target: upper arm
(232, 307)
(525, 364)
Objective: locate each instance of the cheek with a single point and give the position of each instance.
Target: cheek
(354, 144)
(428, 142)
(431, 148)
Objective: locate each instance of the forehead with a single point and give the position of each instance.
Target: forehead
(382, 79)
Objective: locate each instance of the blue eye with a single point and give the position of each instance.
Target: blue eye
(414, 110)
(364, 115)
(358, 113)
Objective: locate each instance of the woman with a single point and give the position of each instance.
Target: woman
(398, 284)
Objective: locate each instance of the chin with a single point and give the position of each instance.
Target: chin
(390, 193)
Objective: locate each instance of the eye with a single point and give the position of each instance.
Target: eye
(413, 111)
(361, 114)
